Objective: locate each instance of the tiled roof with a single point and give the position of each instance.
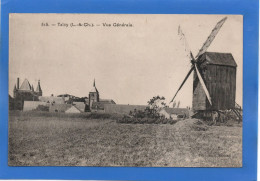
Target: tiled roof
(25, 85)
(102, 103)
(38, 89)
(80, 106)
(73, 109)
(108, 101)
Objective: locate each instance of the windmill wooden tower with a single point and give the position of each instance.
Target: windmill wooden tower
(214, 80)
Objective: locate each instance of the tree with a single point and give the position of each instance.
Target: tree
(155, 105)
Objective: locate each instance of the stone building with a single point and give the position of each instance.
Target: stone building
(25, 92)
(95, 103)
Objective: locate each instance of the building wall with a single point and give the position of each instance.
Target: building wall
(80, 105)
(22, 96)
(122, 109)
(61, 108)
(32, 105)
(221, 84)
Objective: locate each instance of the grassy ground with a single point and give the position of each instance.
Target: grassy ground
(80, 141)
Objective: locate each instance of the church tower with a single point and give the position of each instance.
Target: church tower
(93, 95)
(38, 89)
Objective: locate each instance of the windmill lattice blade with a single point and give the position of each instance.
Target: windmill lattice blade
(184, 41)
(211, 37)
(203, 84)
(192, 68)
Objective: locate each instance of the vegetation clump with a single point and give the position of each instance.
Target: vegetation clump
(42, 108)
(151, 114)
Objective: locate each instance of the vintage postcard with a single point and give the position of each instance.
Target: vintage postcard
(128, 90)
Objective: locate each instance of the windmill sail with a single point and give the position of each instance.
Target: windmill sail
(211, 37)
(187, 76)
(203, 84)
(184, 41)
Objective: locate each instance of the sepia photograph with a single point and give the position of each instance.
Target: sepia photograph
(125, 90)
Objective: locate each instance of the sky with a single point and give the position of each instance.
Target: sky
(129, 64)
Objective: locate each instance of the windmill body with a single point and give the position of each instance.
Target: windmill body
(218, 71)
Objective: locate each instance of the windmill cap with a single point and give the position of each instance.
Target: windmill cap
(216, 58)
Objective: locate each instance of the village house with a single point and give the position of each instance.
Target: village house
(27, 99)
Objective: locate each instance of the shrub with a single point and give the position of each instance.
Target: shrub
(42, 108)
(171, 121)
(148, 116)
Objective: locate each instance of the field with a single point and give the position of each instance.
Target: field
(61, 140)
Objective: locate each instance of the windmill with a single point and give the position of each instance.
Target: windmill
(214, 80)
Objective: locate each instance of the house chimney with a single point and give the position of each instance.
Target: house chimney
(18, 86)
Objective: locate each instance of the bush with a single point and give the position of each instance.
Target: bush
(171, 121)
(42, 108)
(150, 115)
